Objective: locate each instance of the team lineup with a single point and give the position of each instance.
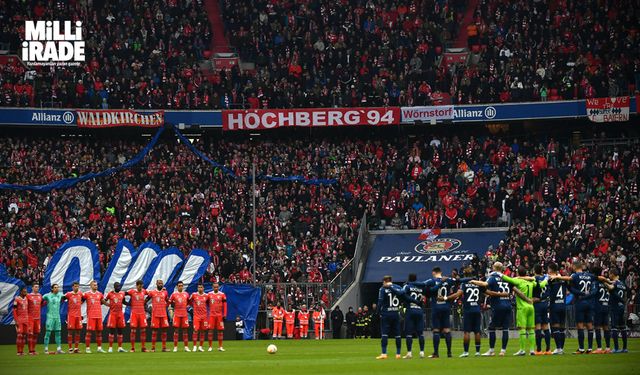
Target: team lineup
(209, 311)
(540, 310)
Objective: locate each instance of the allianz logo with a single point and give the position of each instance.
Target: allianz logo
(67, 117)
(488, 113)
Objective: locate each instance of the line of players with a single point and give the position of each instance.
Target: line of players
(209, 312)
(541, 301)
(280, 316)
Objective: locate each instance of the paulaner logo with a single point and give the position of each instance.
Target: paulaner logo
(53, 43)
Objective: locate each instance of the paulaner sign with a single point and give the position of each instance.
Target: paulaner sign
(53, 43)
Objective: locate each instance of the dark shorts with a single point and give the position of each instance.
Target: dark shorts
(584, 312)
(471, 321)
(414, 323)
(541, 313)
(617, 317)
(390, 325)
(601, 316)
(440, 319)
(558, 315)
(500, 319)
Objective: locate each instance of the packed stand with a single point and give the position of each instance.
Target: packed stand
(138, 54)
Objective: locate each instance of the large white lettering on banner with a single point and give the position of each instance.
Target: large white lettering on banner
(608, 109)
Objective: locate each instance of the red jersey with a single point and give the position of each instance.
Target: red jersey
(94, 304)
(137, 300)
(159, 299)
(290, 317)
(218, 303)
(74, 310)
(179, 302)
(115, 300)
(278, 313)
(199, 303)
(21, 309)
(35, 304)
(303, 317)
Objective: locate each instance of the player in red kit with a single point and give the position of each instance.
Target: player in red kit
(94, 300)
(21, 316)
(137, 301)
(74, 317)
(179, 301)
(290, 321)
(159, 319)
(217, 314)
(199, 302)
(35, 307)
(115, 323)
(303, 319)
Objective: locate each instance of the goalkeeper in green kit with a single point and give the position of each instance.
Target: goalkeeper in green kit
(525, 316)
(52, 301)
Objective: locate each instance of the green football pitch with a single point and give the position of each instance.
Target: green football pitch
(316, 357)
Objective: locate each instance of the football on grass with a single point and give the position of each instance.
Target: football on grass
(272, 349)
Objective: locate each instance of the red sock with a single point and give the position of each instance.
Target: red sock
(202, 338)
(20, 343)
(29, 341)
(120, 341)
(220, 336)
(143, 337)
(185, 338)
(70, 340)
(99, 338)
(153, 339)
(87, 339)
(163, 336)
(111, 340)
(210, 338)
(195, 338)
(77, 339)
(175, 338)
(133, 338)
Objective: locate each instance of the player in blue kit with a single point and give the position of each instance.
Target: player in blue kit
(557, 289)
(499, 292)
(439, 289)
(582, 285)
(414, 315)
(471, 317)
(389, 297)
(601, 313)
(618, 295)
(541, 311)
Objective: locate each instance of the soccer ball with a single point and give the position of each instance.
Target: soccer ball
(272, 349)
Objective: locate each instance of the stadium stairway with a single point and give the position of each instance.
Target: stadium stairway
(219, 42)
(468, 19)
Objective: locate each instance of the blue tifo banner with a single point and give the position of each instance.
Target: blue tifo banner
(400, 254)
(78, 260)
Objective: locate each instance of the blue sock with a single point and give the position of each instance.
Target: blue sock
(505, 339)
(581, 339)
(398, 344)
(478, 346)
(492, 339)
(615, 338)
(556, 338)
(409, 343)
(436, 342)
(624, 339)
(421, 342)
(547, 339)
(384, 342)
(590, 338)
(538, 340)
(598, 338)
(607, 338)
(465, 345)
(563, 337)
(447, 339)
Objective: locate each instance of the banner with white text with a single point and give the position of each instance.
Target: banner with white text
(608, 109)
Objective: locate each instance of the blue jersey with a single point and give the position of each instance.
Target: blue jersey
(557, 291)
(618, 295)
(496, 284)
(416, 291)
(583, 287)
(602, 296)
(542, 293)
(389, 299)
(470, 297)
(440, 288)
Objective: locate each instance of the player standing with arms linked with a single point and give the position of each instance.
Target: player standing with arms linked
(94, 300)
(601, 313)
(21, 316)
(618, 293)
(471, 315)
(53, 323)
(74, 317)
(138, 319)
(414, 315)
(557, 307)
(199, 301)
(217, 314)
(115, 323)
(179, 301)
(159, 319)
(541, 311)
(389, 305)
(35, 307)
(439, 289)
